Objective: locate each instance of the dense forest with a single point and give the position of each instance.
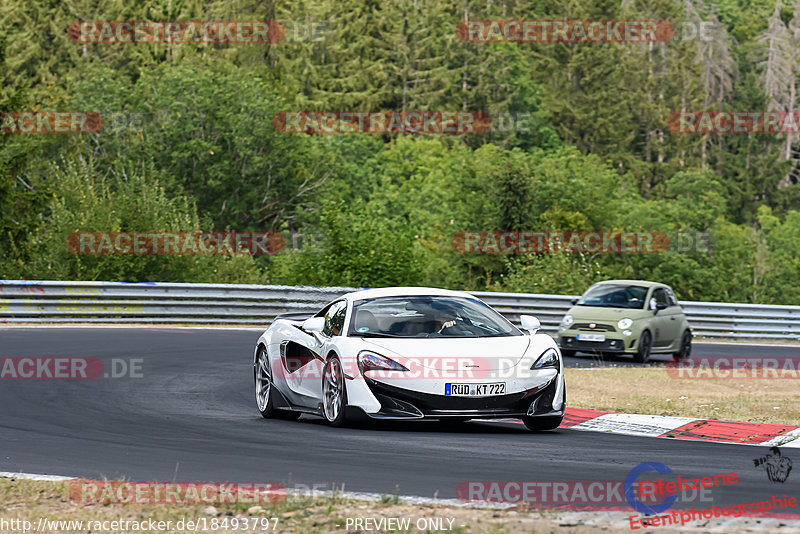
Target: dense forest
(579, 141)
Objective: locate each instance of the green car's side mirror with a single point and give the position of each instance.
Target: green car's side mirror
(655, 306)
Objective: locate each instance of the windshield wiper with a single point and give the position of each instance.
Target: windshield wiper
(497, 334)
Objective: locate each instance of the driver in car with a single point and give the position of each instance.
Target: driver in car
(446, 319)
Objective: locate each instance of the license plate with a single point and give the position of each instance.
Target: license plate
(474, 390)
(590, 337)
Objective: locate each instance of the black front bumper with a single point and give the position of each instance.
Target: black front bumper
(570, 343)
(399, 403)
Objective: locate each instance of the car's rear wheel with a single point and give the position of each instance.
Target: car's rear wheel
(686, 346)
(538, 424)
(264, 389)
(334, 392)
(645, 345)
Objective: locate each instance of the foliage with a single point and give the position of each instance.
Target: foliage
(188, 143)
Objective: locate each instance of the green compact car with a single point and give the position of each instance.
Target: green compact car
(626, 317)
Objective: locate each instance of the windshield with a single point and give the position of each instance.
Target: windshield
(614, 296)
(427, 316)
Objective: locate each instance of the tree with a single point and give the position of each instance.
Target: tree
(361, 248)
(208, 126)
(751, 163)
(86, 199)
(20, 200)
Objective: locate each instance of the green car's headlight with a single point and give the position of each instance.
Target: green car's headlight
(624, 323)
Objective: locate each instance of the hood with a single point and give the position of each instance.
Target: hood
(445, 354)
(609, 315)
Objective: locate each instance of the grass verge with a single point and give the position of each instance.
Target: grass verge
(652, 391)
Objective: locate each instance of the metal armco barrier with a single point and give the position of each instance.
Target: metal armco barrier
(27, 301)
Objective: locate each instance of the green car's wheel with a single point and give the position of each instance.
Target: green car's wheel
(645, 344)
(686, 346)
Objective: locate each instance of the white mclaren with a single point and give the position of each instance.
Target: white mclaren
(405, 354)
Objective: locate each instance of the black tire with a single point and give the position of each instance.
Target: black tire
(645, 346)
(266, 406)
(685, 349)
(539, 424)
(333, 370)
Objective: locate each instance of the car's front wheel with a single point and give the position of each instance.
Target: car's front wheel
(334, 392)
(264, 389)
(645, 345)
(686, 346)
(537, 424)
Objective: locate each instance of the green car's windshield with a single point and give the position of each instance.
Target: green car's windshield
(614, 296)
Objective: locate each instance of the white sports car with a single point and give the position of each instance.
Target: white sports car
(409, 353)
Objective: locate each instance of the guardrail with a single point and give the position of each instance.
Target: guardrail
(27, 301)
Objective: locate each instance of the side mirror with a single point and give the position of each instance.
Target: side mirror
(661, 306)
(314, 324)
(574, 300)
(530, 323)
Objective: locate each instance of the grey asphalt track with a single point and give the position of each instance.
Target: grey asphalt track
(191, 416)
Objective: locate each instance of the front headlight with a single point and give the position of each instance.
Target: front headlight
(370, 361)
(549, 358)
(624, 323)
(567, 320)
